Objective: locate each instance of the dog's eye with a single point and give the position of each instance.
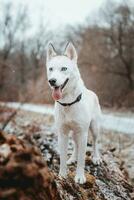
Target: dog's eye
(50, 69)
(63, 68)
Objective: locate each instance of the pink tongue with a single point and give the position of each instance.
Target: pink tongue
(56, 93)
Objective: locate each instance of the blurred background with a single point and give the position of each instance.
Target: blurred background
(102, 31)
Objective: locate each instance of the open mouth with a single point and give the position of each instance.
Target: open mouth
(57, 91)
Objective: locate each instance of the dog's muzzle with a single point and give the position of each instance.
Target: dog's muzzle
(57, 90)
(64, 84)
(52, 82)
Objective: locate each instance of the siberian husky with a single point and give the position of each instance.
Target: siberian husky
(76, 109)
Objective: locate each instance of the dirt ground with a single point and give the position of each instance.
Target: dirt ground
(107, 181)
(122, 145)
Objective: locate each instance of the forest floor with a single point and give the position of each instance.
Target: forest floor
(121, 121)
(20, 121)
(122, 144)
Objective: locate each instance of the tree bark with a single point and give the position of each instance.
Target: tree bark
(24, 174)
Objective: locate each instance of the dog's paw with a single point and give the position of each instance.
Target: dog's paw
(96, 160)
(81, 179)
(71, 161)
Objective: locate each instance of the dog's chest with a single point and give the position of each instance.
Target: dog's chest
(70, 113)
(74, 118)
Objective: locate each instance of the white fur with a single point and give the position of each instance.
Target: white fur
(78, 117)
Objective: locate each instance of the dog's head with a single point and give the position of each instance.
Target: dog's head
(61, 69)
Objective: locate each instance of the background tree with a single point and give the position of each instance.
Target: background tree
(106, 50)
(118, 38)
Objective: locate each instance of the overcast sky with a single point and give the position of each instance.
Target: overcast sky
(60, 12)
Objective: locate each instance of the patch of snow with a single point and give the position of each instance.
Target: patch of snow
(5, 150)
(109, 120)
(43, 109)
(118, 123)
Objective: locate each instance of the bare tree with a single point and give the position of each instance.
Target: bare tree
(38, 44)
(106, 52)
(118, 38)
(21, 57)
(12, 26)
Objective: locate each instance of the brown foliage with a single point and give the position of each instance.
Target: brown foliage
(23, 173)
(105, 56)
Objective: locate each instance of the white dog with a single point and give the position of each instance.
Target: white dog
(76, 109)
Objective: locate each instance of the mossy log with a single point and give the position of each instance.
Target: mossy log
(26, 173)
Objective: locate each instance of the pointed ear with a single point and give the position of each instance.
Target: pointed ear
(70, 52)
(50, 52)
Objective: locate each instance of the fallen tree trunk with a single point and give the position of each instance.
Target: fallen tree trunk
(24, 174)
(105, 182)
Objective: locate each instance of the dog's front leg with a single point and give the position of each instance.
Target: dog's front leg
(82, 144)
(63, 144)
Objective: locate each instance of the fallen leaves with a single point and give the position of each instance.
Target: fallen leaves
(23, 172)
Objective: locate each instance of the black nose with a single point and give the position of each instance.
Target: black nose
(52, 81)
